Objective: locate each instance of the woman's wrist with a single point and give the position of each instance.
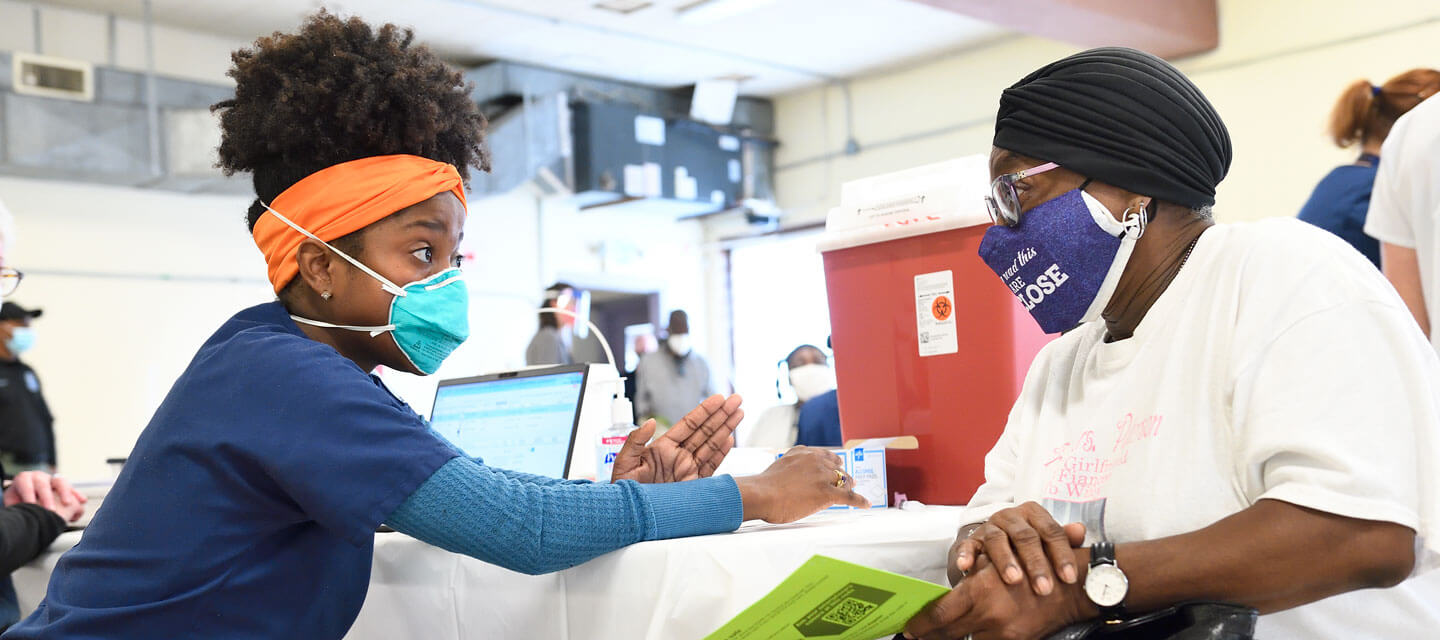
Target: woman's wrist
(754, 497)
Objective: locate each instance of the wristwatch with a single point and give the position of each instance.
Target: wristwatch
(1105, 584)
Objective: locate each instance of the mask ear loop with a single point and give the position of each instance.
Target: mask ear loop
(385, 283)
(781, 369)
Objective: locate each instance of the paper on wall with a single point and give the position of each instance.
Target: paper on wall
(653, 184)
(634, 179)
(650, 130)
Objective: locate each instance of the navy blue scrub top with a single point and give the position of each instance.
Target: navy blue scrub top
(1340, 202)
(249, 504)
(819, 422)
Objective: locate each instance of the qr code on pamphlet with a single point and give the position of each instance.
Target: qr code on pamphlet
(845, 609)
(850, 612)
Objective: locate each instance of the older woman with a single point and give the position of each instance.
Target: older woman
(1241, 412)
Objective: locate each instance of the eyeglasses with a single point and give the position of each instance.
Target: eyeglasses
(1003, 202)
(9, 280)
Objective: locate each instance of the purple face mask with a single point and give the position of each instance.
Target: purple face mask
(1059, 261)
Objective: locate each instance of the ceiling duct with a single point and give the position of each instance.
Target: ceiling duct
(610, 144)
(544, 125)
(107, 139)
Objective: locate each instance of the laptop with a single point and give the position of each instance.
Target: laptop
(519, 420)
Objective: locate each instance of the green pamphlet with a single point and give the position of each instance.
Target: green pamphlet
(835, 600)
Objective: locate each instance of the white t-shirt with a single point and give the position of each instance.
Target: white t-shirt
(1405, 204)
(776, 428)
(1278, 364)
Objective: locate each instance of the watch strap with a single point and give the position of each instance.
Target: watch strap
(1104, 553)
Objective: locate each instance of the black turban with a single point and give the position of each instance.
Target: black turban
(1123, 117)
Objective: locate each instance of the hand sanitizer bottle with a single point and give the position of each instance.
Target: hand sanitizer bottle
(622, 419)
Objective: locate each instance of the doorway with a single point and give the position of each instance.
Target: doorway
(621, 316)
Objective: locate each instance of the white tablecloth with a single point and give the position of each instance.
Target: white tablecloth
(665, 590)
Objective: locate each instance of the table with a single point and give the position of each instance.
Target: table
(664, 590)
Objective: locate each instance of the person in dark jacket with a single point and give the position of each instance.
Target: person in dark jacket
(27, 436)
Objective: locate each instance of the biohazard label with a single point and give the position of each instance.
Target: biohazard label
(935, 313)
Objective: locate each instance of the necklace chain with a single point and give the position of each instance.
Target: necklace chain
(1186, 258)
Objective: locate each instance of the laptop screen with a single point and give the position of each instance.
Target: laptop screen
(522, 422)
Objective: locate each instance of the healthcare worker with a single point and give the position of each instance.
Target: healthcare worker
(1363, 117)
(249, 504)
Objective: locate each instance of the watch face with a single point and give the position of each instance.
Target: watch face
(1106, 585)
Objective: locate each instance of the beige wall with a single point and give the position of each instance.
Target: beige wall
(1280, 66)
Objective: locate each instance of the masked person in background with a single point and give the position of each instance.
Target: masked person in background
(27, 436)
(552, 341)
(674, 378)
(249, 504)
(818, 424)
(1234, 412)
(809, 373)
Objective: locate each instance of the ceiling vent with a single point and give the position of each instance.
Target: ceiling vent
(623, 7)
(53, 77)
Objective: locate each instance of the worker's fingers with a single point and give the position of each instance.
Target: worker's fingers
(717, 420)
(709, 457)
(694, 421)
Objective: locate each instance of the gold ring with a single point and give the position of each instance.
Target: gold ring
(839, 479)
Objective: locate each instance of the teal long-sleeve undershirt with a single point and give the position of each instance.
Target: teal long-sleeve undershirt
(535, 525)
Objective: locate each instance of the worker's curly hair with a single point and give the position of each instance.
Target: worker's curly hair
(338, 90)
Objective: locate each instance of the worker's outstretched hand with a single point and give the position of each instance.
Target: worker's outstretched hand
(691, 449)
(802, 482)
(52, 492)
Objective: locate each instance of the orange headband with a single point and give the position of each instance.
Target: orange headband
(342, 199)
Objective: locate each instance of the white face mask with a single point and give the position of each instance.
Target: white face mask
(679, 344)
(812, 380)
(1133, 227)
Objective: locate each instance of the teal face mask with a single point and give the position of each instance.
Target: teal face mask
(429, 318)
(20, 341)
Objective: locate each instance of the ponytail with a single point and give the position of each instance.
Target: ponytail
(1366, 112)
(1348, 119)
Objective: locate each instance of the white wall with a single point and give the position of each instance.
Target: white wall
(131, 282)
(84, 35)
(1279, 68)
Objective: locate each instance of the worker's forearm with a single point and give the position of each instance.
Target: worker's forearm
(1271, 556)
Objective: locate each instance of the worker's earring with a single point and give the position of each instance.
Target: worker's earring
(325, 295)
